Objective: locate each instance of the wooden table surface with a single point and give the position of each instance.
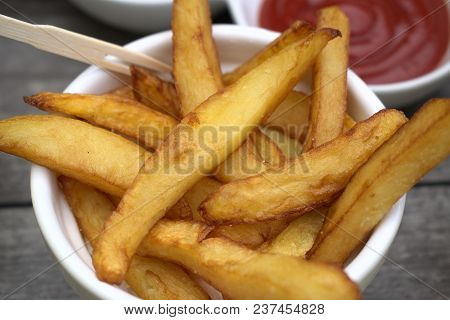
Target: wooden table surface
(419, 260)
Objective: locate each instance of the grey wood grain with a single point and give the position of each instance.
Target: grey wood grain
(23, 256)
(420, 249)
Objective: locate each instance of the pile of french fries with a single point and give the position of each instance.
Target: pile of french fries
(270, 210)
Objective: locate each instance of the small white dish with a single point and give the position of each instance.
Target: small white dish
(135, 15)
(398, 94)
(235, 45)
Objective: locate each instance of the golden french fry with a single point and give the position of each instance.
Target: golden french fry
(329, 98)
(311, 181)
(155, 92)
(150, 278)
(74, 148)
(298, 237)
(268, 151)
(260, 90)
(196, 66)
(241, 273)
(242, 163)
(291, 116)
(125, 116)
(123, 92)
(298, 31)
(349, 122)
(392, 170)
(250, 235)
(198, 193)
(291, 148)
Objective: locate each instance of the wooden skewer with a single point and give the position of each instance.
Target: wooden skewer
(77, 46)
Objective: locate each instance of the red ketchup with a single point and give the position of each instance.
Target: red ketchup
(391, 40)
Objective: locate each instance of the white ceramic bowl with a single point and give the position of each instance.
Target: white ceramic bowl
(235, 44)
(135, 15)
(396, 94)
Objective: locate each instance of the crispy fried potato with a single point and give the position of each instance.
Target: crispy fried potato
(260, 90)
(74, 148)
(180, 210)
(291, 148)
(329, 98)
(349, 122)
(311, 181)
(291, 116)
(153, 279)
(268, 151)
(392, 170)
(125, 116)
(250, 235)
(196, 66)
(298, 31)
(198, 193)
(242, 163)
(241, 273)
(155, 92)
(150, 278)
(123, 92)
(298, 237)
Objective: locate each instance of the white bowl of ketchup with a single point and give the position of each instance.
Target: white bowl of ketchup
(400, 48)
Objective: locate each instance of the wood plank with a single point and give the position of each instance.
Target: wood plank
(23, 255)
(420, 248)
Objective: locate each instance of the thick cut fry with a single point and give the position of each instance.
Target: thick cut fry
(311, 181)
(125, 116)
(195, 60)
(392, 170)
(329, 98)
(267, 150)
(155, 92)
(187, 153)
(242, 163)
(241, 273)
(150, 278)
(349, 122)
(298, 237)
(74, 148)
(291, 148)
(291, 116)
(298, 31)
(123, 92)
(250, 235)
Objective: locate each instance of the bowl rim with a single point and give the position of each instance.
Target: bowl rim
(44, 188)
(438, 73)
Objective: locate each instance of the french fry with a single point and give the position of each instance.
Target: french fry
(260, 90)
(291, 116)
(392, 170)
(74, 148)
(349, 122)
(242, 163)
(251, 235)
(298, 237)
(241, 273)
(298, 31)
(290, 147)
(329, 98)
(123, 92)
(155, 92)
(125, 116)
(150, 278)
(311, 181)
(268, 151)
(195, 59)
